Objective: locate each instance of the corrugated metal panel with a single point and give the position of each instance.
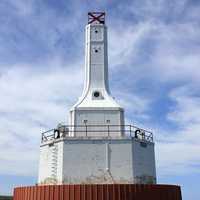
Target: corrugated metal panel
(99, 192)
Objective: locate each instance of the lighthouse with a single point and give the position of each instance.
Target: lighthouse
(96, 146)
(97, 156)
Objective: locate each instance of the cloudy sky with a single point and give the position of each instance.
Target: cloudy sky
(154, 71)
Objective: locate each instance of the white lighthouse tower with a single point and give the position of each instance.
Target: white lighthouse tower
(96, 106)
(97, 146)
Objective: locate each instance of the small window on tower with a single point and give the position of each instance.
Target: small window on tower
(96, 51)
(96, 31)
(96, 94)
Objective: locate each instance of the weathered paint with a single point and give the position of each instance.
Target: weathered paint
(97, 161)
(99, 192)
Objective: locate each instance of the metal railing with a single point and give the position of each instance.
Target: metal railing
(67, 131)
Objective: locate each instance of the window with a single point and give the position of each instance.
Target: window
(96, 94)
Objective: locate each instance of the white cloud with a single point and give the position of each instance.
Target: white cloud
(187, 110)
(176, 57)
(124, 41)
(134, 105)
(178, 151)
(177, 158)
(33, 100)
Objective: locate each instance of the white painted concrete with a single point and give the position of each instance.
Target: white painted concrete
(101, 109)
(99, 160)
(51, 163)
(93, 157)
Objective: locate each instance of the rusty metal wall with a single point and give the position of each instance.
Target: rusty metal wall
(99, 192)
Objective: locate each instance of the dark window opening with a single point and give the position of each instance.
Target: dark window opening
(96, 94)
(96, 51)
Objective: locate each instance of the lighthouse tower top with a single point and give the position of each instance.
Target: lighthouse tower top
(96, 91)
(96, 106)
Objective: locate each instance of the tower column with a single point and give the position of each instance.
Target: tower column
(96, 106)
(96, 58)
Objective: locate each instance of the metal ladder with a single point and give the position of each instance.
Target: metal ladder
(54, 164)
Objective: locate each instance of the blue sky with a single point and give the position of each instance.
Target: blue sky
(154, 71)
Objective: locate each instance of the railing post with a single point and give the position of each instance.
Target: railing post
(74, 130)
(86, 130)
(143, 135)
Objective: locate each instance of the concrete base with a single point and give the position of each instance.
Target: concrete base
(101, 160)
(99, 192)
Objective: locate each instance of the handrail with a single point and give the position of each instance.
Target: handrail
(67, 131)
